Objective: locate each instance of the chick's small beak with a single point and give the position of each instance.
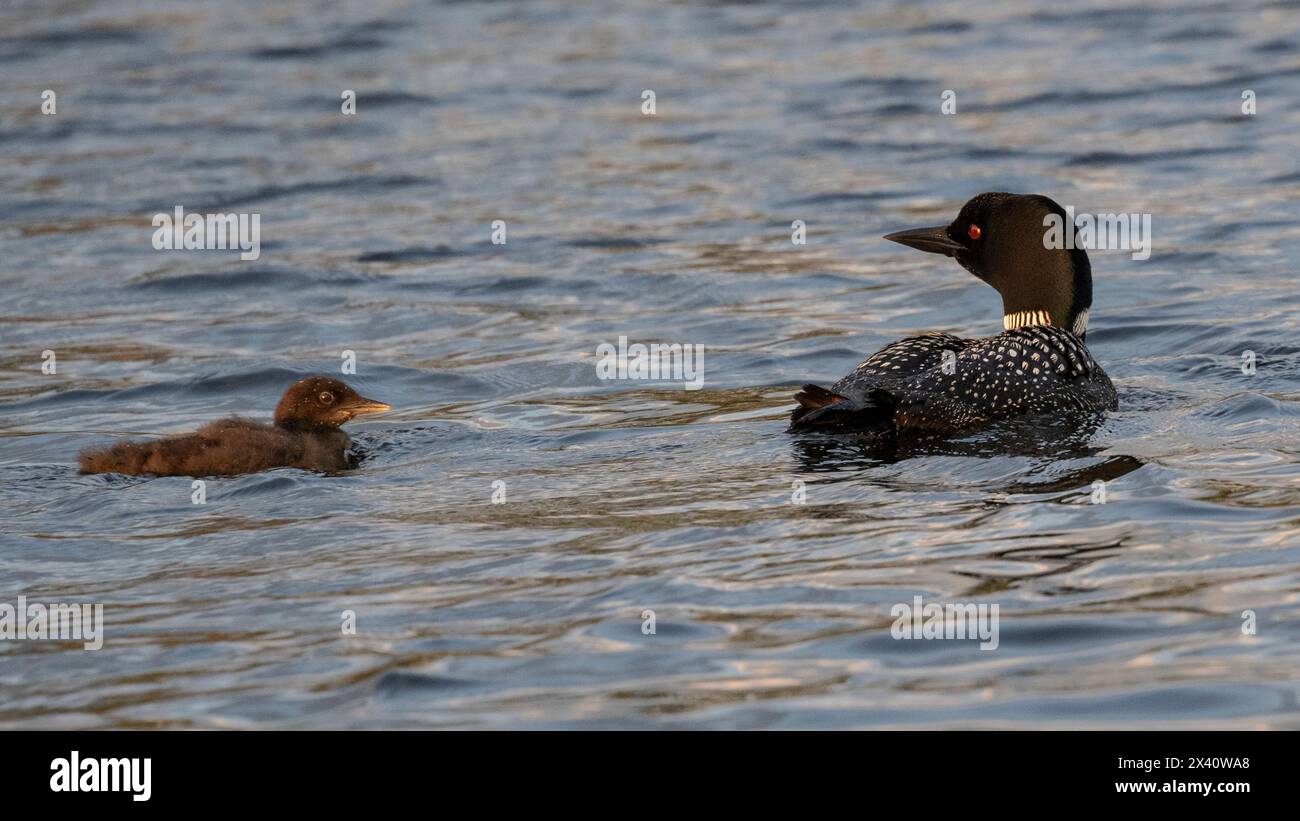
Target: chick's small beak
(933, 240)
(364, 406)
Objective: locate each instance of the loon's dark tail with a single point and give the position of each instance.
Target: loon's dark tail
(824, 410)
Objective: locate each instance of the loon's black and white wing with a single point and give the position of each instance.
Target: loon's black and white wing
(943, 383)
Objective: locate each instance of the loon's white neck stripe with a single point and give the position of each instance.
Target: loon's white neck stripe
(1021, 319)
(1081, 323)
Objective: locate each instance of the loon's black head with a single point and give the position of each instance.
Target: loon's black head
(321, 403)
(1004, 240)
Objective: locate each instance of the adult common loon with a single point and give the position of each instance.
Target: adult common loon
(305, 435)
(946, 384)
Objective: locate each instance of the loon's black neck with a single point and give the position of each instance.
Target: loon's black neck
(1060, 293)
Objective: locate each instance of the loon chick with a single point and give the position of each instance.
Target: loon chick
(305, 435)
(945, 384)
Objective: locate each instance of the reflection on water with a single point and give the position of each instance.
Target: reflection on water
(1057, 438)
(770, 561)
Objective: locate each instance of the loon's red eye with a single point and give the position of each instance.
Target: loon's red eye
(974, 231)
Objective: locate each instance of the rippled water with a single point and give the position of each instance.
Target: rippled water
(628, 496)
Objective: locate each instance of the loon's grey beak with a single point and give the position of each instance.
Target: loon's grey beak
(363, 406)
(931, 240)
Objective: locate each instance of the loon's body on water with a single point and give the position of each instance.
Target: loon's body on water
(305, 435)
(946, 384)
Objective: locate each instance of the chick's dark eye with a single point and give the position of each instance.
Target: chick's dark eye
(974, 231)
(326, 398)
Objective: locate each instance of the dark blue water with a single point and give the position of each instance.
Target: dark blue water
(626, 496)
